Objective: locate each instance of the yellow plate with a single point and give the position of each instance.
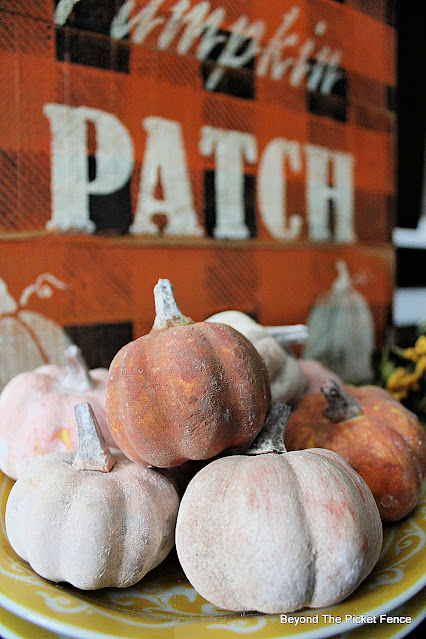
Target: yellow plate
(13, 627)
(164, 606)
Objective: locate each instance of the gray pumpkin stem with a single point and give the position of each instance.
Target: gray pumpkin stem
(78, 377)
(340, 405)
(92, 453)
(167, 312)
(271, 437)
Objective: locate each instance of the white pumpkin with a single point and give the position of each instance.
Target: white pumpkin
(29, 339)
(341, 330)
(91, 518)
(277, 531)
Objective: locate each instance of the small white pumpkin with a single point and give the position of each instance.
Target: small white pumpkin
(341, 330)
(37, 410)
(91, 518)
(277, 532)
(287, 380)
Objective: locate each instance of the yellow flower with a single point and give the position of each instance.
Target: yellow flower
(396, 383)
(418, 351)
(402, 381)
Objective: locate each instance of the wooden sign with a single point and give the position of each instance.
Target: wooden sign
(236, 148)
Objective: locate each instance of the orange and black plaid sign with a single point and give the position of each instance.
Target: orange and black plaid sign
(236, 147)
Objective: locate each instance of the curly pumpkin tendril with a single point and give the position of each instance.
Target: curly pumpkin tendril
(401, 382)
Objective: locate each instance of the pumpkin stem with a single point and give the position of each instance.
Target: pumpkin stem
(92, 453)
(271, 437)
(167, 312)
(340, 405)
(343, 281)
(78, 378)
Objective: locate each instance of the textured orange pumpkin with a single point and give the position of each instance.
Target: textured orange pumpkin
(382, 440)
(186, 390)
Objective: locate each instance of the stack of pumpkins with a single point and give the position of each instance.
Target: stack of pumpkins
(256, 528)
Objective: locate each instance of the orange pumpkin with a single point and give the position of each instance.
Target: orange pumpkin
(186, 390)
(381, 439)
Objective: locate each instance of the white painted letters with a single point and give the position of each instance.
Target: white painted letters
(140, 25)
(272, 188)
(70, 183)
(165, 162)
(231, 149)
(271, 54)
(198, 25)
(63, 11)
(231, 56)
(329, 177)
(320, 163)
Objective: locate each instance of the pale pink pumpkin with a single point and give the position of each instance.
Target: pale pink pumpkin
(37, 410)
(316, 375)
(277, 532)
(89, 517)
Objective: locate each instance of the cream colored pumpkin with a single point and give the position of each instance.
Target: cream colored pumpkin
(275, 533)
(29, 339)
(91, 518)
(287, 379)
(37, 410)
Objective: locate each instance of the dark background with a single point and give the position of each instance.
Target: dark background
(411, 110)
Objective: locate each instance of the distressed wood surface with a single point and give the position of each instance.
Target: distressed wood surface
(240, 169)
